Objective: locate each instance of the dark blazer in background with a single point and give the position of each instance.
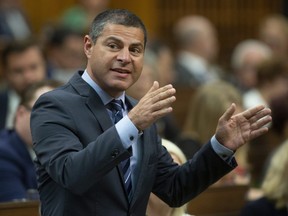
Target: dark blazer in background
(3, 108)
(17, 170)
(263, 207)
(71, 125)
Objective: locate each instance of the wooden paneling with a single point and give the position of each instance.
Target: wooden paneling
(27, 208)
(219, 201)
(234, 20)
(41, 12)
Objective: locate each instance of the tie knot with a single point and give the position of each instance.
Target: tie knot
(115, 105)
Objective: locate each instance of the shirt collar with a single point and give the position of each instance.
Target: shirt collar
(106, 98)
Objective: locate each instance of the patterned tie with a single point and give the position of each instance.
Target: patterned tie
(116, 107)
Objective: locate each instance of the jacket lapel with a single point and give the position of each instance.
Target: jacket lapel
(93, 101)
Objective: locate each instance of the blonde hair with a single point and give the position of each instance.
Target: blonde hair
(207, 106)
(275, 183)
(175, 150)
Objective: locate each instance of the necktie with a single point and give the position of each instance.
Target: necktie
(116, 107)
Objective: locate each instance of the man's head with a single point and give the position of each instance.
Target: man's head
(65, 49)
(196, 34)
(246, 57)
(115, 49)
(23, 64)
(117, 17)
(22, 117)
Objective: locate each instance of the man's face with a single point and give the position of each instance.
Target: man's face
(115, 61)
(23, 115)
(25, 68)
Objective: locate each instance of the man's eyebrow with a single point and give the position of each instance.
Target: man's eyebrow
(119, 40)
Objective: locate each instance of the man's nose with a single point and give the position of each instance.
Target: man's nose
(124, 56)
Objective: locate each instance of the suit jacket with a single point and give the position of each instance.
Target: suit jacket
(17, 171)
(263, 207)
(79, 150)
(3, 108)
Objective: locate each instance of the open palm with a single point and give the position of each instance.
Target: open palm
(234, 131)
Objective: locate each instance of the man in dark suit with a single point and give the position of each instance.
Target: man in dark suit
(17, 171)
(23, 64)
(81, 147)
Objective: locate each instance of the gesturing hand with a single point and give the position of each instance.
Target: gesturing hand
(234, 131)
(153, 105)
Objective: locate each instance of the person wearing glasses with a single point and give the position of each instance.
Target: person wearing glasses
(17, 172)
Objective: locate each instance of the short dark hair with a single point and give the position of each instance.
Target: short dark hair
(60, 33)
(116, 16)
(29, 94)
(19, 47)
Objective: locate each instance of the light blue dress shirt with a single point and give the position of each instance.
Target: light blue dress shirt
(128, 132)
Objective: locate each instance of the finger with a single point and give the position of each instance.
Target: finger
(155, 92)
(262, 122)
(228, 113)
(154, 87)
(259, 132)
(162, 112)
(252, 111)
(260, 114)
(165, 103)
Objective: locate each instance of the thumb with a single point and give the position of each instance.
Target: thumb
(229, 112)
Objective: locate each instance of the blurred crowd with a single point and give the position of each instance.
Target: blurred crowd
(258, 74)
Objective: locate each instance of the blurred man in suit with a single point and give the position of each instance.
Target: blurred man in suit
(17, 171)
(23, 64)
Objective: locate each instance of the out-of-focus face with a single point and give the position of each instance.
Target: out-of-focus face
(247, 73)
(24, 69)
(209, 43)
(165, 67)
(115, 61)
(70, 55)
(23, 114)
(143, 84)
(275, 37)
(279, 86)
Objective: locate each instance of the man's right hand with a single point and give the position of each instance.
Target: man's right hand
(155, 104)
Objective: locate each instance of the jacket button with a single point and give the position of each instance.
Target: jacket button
(115, 152)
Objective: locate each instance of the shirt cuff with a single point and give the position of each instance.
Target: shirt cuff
(127, 131)
(225, 153)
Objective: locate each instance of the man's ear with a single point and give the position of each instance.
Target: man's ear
(88, 45)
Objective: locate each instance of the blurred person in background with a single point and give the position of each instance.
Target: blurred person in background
(206, 106)
(165, 61)
(79, 16)
(272, 80)
(156, 207)
(17, 171)
(23, 64)
(14, 24)
(259, 150)
(273, 30)
(274, 201)
(166, 126)
(197, 51)
(65, 54)
(246, 57)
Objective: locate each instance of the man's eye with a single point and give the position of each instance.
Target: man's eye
(113, 46)
(135, 51)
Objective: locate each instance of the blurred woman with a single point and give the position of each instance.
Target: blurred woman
(275, 188)
(156, 207)
(206, 106)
